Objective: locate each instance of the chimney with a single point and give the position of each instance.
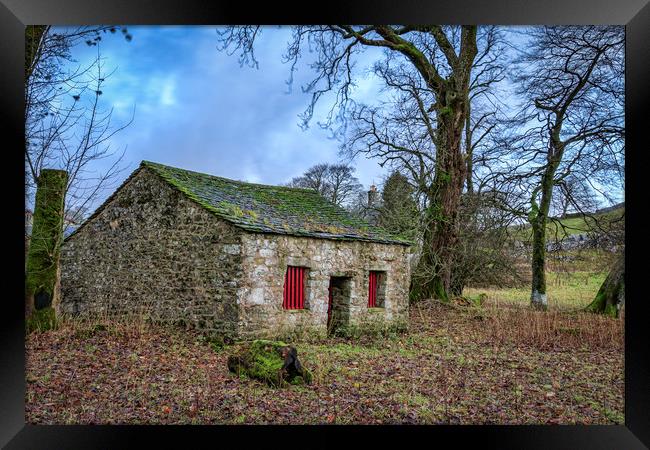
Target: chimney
(372, 196)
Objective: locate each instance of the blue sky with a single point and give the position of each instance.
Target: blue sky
(196, 108)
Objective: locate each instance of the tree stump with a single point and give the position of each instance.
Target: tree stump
(273, 362)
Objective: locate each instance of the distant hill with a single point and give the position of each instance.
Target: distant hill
(615, 207)
(577, 223)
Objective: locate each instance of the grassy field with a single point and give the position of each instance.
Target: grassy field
(574, 225)
(572, 280)
(565, 290)
(497, 364)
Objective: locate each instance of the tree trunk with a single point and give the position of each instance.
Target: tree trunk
(433, 274)
(538, 219)
(538, 289)
(441, 230)
(611, 295)
(45, 242)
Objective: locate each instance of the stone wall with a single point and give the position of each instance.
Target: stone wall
(265, 258)
(152, 249)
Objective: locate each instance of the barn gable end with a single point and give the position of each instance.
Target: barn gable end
(151, 249)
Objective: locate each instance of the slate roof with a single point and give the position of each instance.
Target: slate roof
(272, 209)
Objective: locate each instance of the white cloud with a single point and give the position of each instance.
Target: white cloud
(167, 97)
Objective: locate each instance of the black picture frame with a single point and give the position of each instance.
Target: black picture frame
(15, 14)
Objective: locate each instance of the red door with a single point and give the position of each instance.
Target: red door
(329, 304)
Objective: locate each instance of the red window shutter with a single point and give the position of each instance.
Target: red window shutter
(287, 288)
(294, 288)
(291, 276)
(373, 286)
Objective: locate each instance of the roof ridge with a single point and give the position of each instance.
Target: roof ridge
(274, 186)
(331, 220)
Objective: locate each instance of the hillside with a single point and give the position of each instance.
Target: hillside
(572, 224)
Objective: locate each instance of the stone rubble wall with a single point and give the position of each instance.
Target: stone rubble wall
(265, 258)
(152, 249)
(585, 241)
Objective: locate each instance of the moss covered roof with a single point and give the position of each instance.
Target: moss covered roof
(272, 209)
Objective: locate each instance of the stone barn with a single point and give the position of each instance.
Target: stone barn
(228, 257)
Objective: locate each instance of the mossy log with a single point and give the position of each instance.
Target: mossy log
(611, 295)
(45, 241)
(273, 362)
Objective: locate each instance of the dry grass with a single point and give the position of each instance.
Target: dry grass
(573, 279)
(518, 325)
(500, 364)
(553, 329)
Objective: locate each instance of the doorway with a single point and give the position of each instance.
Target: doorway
(338, 307)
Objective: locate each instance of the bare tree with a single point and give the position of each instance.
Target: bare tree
(571, 129)
(402, 130)
(66, 126)
(442, 59)
(313, 178)
(336, 182)
(344, 185)
(569, 191)
(485, 106)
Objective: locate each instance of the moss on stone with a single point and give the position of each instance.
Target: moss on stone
(272, 209)
(251, 213)
(262, 359)
(268, 361)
